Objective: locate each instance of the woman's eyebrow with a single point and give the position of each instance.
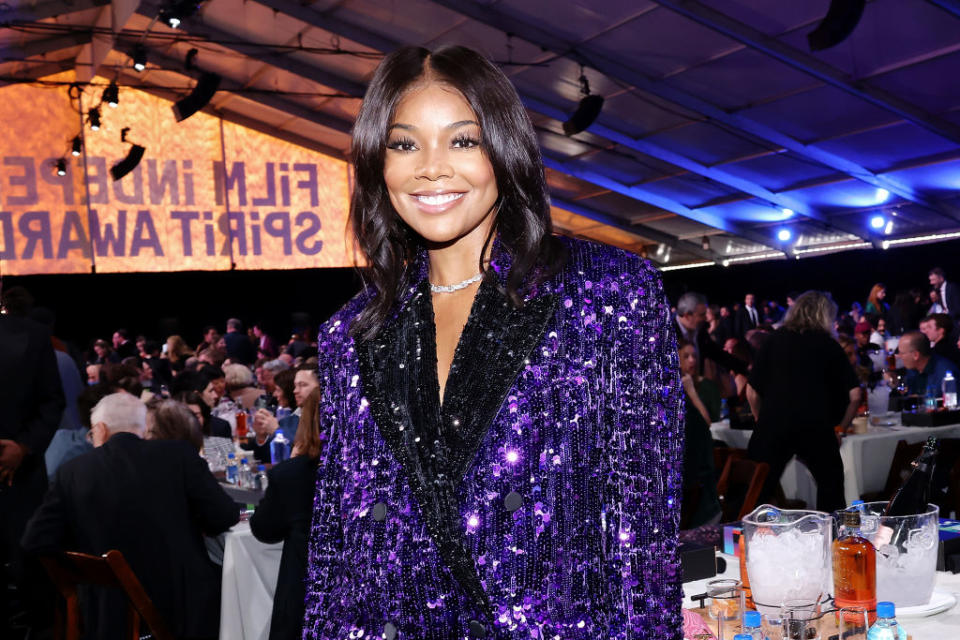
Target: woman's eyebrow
(452, 125)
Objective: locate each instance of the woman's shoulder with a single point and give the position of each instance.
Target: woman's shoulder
(335, 332)
(594, 262)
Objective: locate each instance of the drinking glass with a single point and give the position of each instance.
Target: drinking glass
(853, 622)
(800, 620)
(724, 602)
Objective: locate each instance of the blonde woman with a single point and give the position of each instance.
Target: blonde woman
(801, 386)
(177, 352)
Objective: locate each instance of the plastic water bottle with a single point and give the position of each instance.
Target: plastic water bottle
(949, 391)
(724, 409)
(245, 479)
(260, 482)
(751, 626)
(886, 627)
(232, 468)
(279, 447)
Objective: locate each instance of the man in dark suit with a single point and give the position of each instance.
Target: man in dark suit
(949, 294)
(748, 316)
(939, 330)
(689, 325)
(239, 348)
(123, 346)
(31, 404)
(151, 500)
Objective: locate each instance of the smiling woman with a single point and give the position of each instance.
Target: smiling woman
(501, 407)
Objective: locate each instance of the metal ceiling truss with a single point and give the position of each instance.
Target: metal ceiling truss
(43, 10)
(806, 63)
(614, 69)
(637, 229)
(43, 47)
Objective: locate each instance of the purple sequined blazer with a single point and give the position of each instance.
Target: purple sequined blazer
(540, 500)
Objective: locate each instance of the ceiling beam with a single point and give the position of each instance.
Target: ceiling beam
(43, 10)
(327, 22)
(260, 53)
(111, 20)
(712, 173)
(36, 72)
(625, 73)
(950, 6)
(643, 195)
(637, 229)
(812, 66)
(244, 121)
(16, 52)
(228, 85)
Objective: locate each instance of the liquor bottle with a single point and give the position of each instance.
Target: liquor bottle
(241, 424)
(913, 497)
(854, 566)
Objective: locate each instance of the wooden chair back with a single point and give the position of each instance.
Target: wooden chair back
(739, 487)
(70, 569)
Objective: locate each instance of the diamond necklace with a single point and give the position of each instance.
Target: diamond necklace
(450, 288)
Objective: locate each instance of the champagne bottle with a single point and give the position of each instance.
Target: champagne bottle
(914, 495)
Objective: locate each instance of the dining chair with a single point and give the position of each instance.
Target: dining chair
(739, 487)
(70, 569)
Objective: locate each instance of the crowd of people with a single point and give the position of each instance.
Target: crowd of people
(112, 461)
(798, 374)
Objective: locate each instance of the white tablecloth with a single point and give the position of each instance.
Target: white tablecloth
(250, 571)
(942, 626)
(866, 458)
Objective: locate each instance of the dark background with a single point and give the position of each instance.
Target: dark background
(91, 306)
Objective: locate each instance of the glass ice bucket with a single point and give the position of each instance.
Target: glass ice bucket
(787, 556)
(905, 572)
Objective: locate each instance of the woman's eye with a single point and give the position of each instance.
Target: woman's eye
(402, 144)
(465, 142)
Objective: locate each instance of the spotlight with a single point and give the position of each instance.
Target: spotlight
(111, 95)
(889, 228)
(882, 195)
(787, 213)
(139, 56)
(93, 116)
(177, 11)
(129, 163)
(885, 244)
(841, 19)
(76, 146)
(198, 98)
(587, 111)
(725, 262)
(705, 243)
(784, 235)
(877, 222)
(61, 166)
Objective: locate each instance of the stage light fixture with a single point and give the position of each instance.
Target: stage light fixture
(784, 235)
(201, 95)
(139, 56)
(176, 11)
(587, 111)
(129, 163)
(111, 95)
(877, 222)
(76, 146)
(787, 213)
(61, 166)
(841, 19)
(93, 117)
(889, 228)
(882, 195)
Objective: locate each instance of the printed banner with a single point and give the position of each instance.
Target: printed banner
(207, 195)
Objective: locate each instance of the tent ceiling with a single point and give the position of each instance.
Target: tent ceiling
(720, 127)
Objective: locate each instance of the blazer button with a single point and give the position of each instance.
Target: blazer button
(379, 511)
(477, 630)
(389, 631)
(513, 501)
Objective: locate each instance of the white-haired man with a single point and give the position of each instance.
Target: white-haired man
(151, 499)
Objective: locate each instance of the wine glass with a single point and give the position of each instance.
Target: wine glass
(800, 620)
(724, 602)
(853, 623)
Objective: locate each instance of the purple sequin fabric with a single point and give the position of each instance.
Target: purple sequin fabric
(556, 518)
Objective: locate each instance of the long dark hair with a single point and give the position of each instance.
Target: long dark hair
(510, 144)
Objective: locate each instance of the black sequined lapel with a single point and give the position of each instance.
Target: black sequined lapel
(398, 373)
(496, 342)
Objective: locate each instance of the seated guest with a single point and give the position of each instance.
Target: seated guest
(925, 369)
(268, 371)
(702, 408)
(283, 391)
(210, 425)
(284, 515)
(937, 328)
(265, 424)
(67, 444)
(152, 501)
(869, 355)
(210, 339)
(240, 386)
(879, 334)
(172, 420)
